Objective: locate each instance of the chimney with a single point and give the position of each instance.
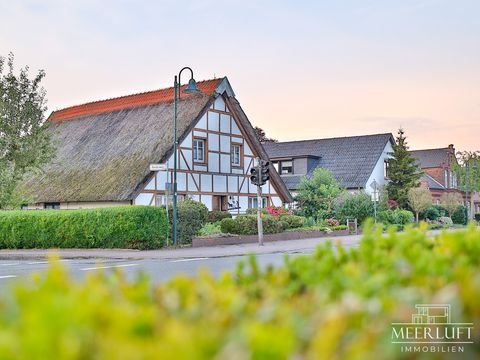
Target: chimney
(451, 149)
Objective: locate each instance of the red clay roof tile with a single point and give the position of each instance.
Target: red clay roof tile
(129, 101)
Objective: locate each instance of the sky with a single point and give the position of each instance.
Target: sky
(300, 69)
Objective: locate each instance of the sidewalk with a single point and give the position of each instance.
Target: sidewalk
(180, 253)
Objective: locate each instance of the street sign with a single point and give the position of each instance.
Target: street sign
(374, 185)
(158, 167)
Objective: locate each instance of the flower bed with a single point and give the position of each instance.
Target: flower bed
(296, 234)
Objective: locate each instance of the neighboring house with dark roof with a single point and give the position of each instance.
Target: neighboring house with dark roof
(438, 176)
(355, 161)
(104, 150)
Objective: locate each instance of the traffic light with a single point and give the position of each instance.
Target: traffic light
(264, 171)
(254, 176)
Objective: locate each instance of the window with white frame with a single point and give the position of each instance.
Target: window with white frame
(445, 178)
(236, 155)
(286, 167)
(253, 202)
(199, 150)
(163, 200)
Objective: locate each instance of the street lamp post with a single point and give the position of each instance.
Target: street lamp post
(467, 203)
(191, 89)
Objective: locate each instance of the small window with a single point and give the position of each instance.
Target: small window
(385, 169)
(253, 202)
(52, 206)
(445, 178)
(286, 167)
(163, 200)
(199, 150)
(275, 165)
(236, 155)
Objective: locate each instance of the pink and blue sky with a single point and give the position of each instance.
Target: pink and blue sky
(301, 69)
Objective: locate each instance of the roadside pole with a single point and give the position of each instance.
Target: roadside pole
(259, 215)
(259, 175)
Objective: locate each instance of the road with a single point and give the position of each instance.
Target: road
(157, 269)
(159, 265)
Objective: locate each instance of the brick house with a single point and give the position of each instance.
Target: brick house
(438, 176)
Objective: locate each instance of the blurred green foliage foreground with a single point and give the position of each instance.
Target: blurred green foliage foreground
(337, 304)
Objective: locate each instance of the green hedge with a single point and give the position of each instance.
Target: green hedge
(292, 221)
(132, 227)
(334, 304)
(247, 225)
(191, 217)
(396, 217)
(216, 216)
(459, 216)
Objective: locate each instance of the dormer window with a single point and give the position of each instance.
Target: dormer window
(286, 167)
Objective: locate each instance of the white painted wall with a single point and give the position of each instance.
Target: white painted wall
(218, 176)
(378, 172)
(82, 205)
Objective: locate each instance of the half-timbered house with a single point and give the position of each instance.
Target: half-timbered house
(104, 150)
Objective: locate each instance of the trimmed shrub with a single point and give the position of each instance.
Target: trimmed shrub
(441, 210)
(228, 226)
(459, 216)
(272, 225)
(445, 220)
(354, 206)
(403, 217)
(216, 216)
(292, 221)
(396, 217)
(191, 216)
(130, 227)
(247, 225)
(432, 213)
(241, 225)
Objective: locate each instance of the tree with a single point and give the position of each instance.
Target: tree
(24, 141)
(358, 206)
(451, 201)
(419, 200)
(403, 172)
(262, 137)
(316, 195)
(467, 172)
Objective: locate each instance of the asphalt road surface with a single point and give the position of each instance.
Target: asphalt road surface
(157, 269)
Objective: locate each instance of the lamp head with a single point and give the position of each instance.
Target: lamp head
(191, 87)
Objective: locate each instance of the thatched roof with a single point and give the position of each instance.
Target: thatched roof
(104, 148)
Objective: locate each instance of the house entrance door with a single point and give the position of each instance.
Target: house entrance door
(219, 203)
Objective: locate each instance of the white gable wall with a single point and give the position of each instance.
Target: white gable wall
(378, 172)
(216, 177)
